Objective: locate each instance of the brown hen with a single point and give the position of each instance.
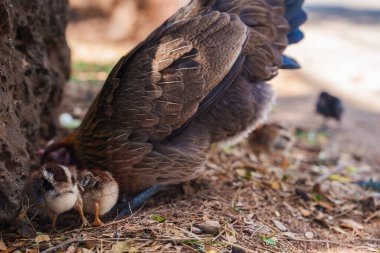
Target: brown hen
(197, 79)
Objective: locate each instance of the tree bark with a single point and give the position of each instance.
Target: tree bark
(34, 66)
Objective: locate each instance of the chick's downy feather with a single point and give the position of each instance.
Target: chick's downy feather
(54, 188)
(99, 187)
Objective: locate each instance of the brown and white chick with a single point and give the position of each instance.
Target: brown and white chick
(271, 140)
(100, 192)
(55, 190)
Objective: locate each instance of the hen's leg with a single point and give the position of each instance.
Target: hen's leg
(137, 200)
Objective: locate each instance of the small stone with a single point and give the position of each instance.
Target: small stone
(280, 225)
(237, 250)
(309, 235)
(196, 230)
(209, 227)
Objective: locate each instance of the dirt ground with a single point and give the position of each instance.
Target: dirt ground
(240, 204)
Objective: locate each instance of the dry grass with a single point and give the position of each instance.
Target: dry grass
(245, 197)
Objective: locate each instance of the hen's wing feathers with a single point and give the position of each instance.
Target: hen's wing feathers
(159, 86)
(178, 72)
(213, 96)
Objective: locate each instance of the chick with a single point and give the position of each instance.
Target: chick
(329, 107)
(271, 140)
(100, 192)
(55, 189)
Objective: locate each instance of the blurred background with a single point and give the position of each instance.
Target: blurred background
(340, 54)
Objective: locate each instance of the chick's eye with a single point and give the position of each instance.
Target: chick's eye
(87, 181)
(47, 185)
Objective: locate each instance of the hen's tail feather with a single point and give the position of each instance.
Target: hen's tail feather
(295, 17)
(289, 63)
(293, 8)
(295, 36)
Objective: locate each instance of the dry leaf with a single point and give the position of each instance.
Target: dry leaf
(318, 216)
(339, 230)
(326, 205)
(304, 212)
(336, 177)
(348, 223)
(71, 249)
(375, 215)
(178, 248)
(284, 187)
(290, 235)
(371, 249)
(280, 225)
(168, 246)
(275, 185)
(42, 238)
(290, 208)
(230, 238)
(120, 247)
(32, 251)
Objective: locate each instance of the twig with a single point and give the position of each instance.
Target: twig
(64, 244)
(371, 239)
(244, 248)
(326, 175)
(375, 215)
(238, 246)
(190, 233)
(322, 241)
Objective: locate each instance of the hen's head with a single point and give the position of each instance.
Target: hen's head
(61, 151)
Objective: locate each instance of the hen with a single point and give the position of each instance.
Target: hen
(329, 107)
(197, 79)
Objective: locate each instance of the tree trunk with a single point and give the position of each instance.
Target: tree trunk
(34, 66)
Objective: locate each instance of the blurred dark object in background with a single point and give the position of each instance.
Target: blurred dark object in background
(329, 107)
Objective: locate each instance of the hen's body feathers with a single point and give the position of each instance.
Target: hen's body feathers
(198, 79)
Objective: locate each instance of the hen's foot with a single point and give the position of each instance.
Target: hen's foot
(128, 206)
